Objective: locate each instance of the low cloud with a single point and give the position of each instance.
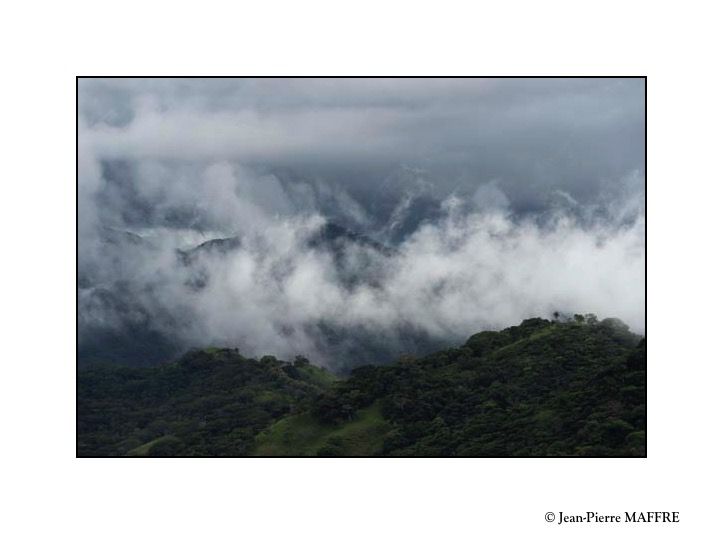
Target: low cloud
(447, 235)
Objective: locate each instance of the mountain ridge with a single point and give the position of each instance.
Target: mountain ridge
(542, 388)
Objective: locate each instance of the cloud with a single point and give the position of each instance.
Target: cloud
(529, 135)
(498, 200)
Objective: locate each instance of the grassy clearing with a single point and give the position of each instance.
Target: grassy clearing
(303, 435)
(318, 376)
(144, 449)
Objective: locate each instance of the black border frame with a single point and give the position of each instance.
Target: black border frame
(77, 111)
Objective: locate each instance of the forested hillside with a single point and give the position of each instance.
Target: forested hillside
(543, 388)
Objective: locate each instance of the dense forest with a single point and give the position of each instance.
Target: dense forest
(574, 387)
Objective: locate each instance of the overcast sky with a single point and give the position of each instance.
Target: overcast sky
(530, 136)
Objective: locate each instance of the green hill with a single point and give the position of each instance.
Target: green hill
(212, 402)
(543, 388)
(539, 389)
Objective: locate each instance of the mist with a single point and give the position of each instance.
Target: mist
(353, 220)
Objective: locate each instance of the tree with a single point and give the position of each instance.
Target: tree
(637, 359)
(301, 361)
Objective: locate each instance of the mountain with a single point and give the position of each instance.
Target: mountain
(124, 317)
(337, 239)
(132, 338)
(218, 246)
(543, 388)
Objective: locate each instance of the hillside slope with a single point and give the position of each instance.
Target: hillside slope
(212, 402)
(538, 389)
(543, 388)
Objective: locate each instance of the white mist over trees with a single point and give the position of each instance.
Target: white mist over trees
(463, 221)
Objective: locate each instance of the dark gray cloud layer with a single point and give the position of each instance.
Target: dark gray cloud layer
(532, 136)
(502, 198)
